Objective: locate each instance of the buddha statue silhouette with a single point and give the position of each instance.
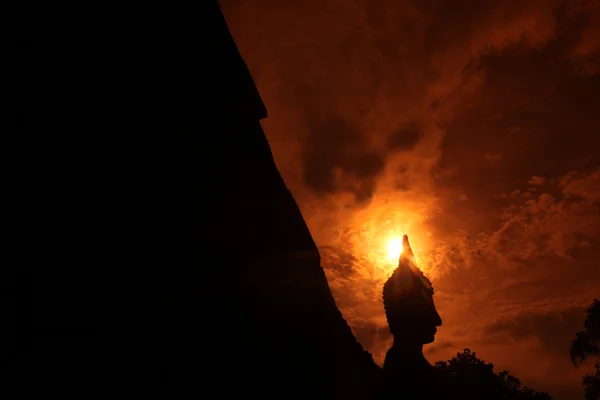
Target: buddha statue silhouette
(413, 321)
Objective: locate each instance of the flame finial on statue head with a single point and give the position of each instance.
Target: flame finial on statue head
(406, 250)
(407, 262)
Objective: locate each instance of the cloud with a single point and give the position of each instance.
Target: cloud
(368, 332)
(377, 68)
(552, 328)
(586, 53)
(406, 137)
(539, 338)
(337, 158)
(585, 188)
(547, 226)
(524, 285)
(493, 157)
(437, 346)
(537, 180)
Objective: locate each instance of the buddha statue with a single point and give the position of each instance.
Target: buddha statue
(413, 321)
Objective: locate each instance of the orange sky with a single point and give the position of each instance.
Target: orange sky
(470, 125)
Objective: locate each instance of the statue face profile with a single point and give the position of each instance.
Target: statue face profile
(421, 319)
(408, 301)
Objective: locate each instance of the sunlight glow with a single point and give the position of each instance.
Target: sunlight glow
(394, 249)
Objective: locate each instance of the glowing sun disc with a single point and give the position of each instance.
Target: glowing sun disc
(394, 249)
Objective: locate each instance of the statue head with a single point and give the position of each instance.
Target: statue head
(408, 302)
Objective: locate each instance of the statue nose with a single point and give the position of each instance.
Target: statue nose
(438, 319)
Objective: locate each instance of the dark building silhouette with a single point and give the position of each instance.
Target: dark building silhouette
(413, 321)
(171, 260)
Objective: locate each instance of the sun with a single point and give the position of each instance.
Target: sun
(394, 248)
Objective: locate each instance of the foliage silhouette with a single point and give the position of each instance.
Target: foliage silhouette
(587, 345)
(467, 377)
(591, 384)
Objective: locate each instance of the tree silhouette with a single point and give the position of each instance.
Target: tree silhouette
(587, 345)
(467, 377)
(591, 384)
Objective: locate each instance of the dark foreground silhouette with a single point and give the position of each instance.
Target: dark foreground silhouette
(586, 345)
(172, 261)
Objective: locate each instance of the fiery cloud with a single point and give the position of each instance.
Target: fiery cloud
(468, 125)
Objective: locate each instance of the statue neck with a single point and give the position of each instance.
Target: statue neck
(404, 358)
(408, 349)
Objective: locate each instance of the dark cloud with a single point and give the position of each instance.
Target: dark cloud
(532, 116)
(405, 137)
(537, 180)
(336, 157)
(493, 157)
(553, 328)
(368, 333)
(440, 346)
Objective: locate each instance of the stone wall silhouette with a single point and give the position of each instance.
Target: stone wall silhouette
(174, 260)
